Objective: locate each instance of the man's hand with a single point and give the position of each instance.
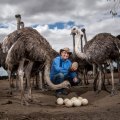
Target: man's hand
(75, 80)
(73, 68)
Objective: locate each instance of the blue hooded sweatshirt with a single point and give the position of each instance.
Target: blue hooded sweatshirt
(60, 65)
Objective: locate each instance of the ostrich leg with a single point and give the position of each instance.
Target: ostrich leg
(21, 75)
(103, 85)
(85, 76)
(118, 66)
(95, 81)
(10, 82)
(94, 70)
(40, 81)
(86, 72)
(113, 92)
(27, 75)
(105, 71)
(17, 82)
(100, 79)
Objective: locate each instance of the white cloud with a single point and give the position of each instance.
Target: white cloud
(58, 38)
(108, 25)
(94, 15)
(11, 28)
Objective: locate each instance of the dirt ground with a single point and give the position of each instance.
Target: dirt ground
(44, 107)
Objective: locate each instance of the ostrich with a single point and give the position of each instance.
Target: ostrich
(104, 48)
(32, 46)
(6, 47)
(8, 42)
(94, 66)
(84, 66)
(118, 62)
(12, 38)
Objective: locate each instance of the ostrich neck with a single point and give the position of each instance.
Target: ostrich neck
(73, 46)
(77, 51)
(81, 44)
(18, 25)
(85, 38)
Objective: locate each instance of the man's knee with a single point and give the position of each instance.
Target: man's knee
(61, 75)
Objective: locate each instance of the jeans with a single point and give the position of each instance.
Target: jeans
(60, 77)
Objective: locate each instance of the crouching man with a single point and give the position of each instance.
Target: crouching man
(62, 69)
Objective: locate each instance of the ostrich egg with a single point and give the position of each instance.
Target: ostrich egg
(84, 101)
(75, 65)
(60, 101)
(65, 100)
(74, 98)
(76, 103)
(68, 103)
(80, 98)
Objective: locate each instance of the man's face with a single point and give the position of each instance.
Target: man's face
(64, 55)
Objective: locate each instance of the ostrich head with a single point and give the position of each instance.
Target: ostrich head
(83, 30)
(84, 33)
(18, 18)
(74, 31)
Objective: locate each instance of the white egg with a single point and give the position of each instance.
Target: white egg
(65, 100)
(68, 103)
(74, 98)
(60, 101)
(84, 101)
(76, 103)
(80, 98)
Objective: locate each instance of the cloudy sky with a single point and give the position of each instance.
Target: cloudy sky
(55, 18)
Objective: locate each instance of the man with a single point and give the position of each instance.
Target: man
(62, 69)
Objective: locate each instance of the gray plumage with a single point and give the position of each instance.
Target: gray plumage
(102, 48)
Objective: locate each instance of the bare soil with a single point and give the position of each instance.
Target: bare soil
(44, 107)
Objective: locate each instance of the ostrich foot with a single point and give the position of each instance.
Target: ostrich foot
(119, 84)
(113, 92)
(87, 83)
(10, 93)
(105, 89)
(44, 89)
(29, 99)
(12, 85)
(17, 88)
(24, 102)
(98, 91)
(94, 87)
